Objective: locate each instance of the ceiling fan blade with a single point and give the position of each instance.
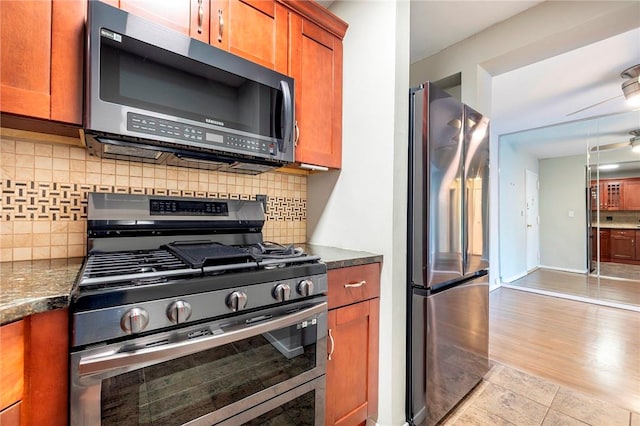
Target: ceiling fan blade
(617, 145)
(593, 105)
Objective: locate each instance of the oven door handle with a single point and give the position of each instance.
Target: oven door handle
(112, 360)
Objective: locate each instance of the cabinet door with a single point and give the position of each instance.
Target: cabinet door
(614, 195)
(11, 363)
(25, 55)
(623, 245)
(190, 17)
(67, 60)
(253, 29)
(605, 250)
(315, 57)
(42, 55)
(47, 372)
(632, 195)
(352, 368)
(593, 190)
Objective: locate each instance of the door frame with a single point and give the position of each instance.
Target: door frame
(532, 247)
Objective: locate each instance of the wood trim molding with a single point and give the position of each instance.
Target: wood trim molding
(39, 130)
(319, 15)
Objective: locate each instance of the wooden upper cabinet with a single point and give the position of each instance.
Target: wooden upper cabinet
(315, 57)
(25, 55)
(253, 29)
(614, 195)
(190, 17)
(41, 54)
(631, 194)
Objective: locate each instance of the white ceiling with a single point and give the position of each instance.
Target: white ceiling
(436, 25)
(551, 90)
(543, 94)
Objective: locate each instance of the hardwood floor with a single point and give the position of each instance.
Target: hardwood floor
(590, 348)
(589, 286)
(620, 270)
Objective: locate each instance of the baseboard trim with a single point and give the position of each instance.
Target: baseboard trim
(513, 278)
(600, 302)
(555, 268)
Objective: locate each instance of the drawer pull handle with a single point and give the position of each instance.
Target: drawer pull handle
(333, 345)
(358, 284)
(220, 26)
(200, 16)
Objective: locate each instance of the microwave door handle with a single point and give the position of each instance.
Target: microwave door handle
(110, 360)
(288, 114)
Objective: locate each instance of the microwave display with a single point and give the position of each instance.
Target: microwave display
(138, 75)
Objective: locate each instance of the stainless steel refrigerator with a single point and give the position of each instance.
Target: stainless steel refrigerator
(448, 242)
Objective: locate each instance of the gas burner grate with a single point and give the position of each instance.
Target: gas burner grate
(134, 262)
(270, 250)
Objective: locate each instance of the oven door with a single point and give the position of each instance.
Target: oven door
(256, 368)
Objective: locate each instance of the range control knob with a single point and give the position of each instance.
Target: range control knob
(237, 300)
(134, 320)
(281, 292)
(305, 288)
(179, 311)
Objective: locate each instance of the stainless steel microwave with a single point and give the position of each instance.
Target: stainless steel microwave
(155, 95)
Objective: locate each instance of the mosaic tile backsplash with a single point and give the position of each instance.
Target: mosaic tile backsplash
(44, 189)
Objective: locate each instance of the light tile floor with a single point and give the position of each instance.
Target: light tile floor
(508, 397)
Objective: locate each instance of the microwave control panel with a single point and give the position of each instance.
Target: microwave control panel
(199, 136)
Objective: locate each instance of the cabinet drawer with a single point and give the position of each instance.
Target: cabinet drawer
(353, 284)
(11, 363)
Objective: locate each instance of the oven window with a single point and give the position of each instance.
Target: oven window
(189, 387)
(297, 412)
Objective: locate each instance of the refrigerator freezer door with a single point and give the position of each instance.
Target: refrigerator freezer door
(449, 348)
(476, 191)
(435, 187)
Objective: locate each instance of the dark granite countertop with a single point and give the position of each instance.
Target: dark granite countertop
(34, 286)
(608, 225)
(341, 258)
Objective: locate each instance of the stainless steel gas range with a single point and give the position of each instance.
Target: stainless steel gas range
(183, 314)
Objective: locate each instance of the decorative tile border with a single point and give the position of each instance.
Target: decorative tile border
(43, 215)
(28, 200)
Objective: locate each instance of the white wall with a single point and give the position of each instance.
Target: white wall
(563, 239)
(363, 206)
(513, 236)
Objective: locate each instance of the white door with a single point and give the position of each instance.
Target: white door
(532, 220)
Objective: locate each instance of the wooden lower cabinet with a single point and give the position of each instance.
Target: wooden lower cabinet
(622, 244)
(352, 364)
(11, 365)
(11, 416)
(34, 370)
(605, 250)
